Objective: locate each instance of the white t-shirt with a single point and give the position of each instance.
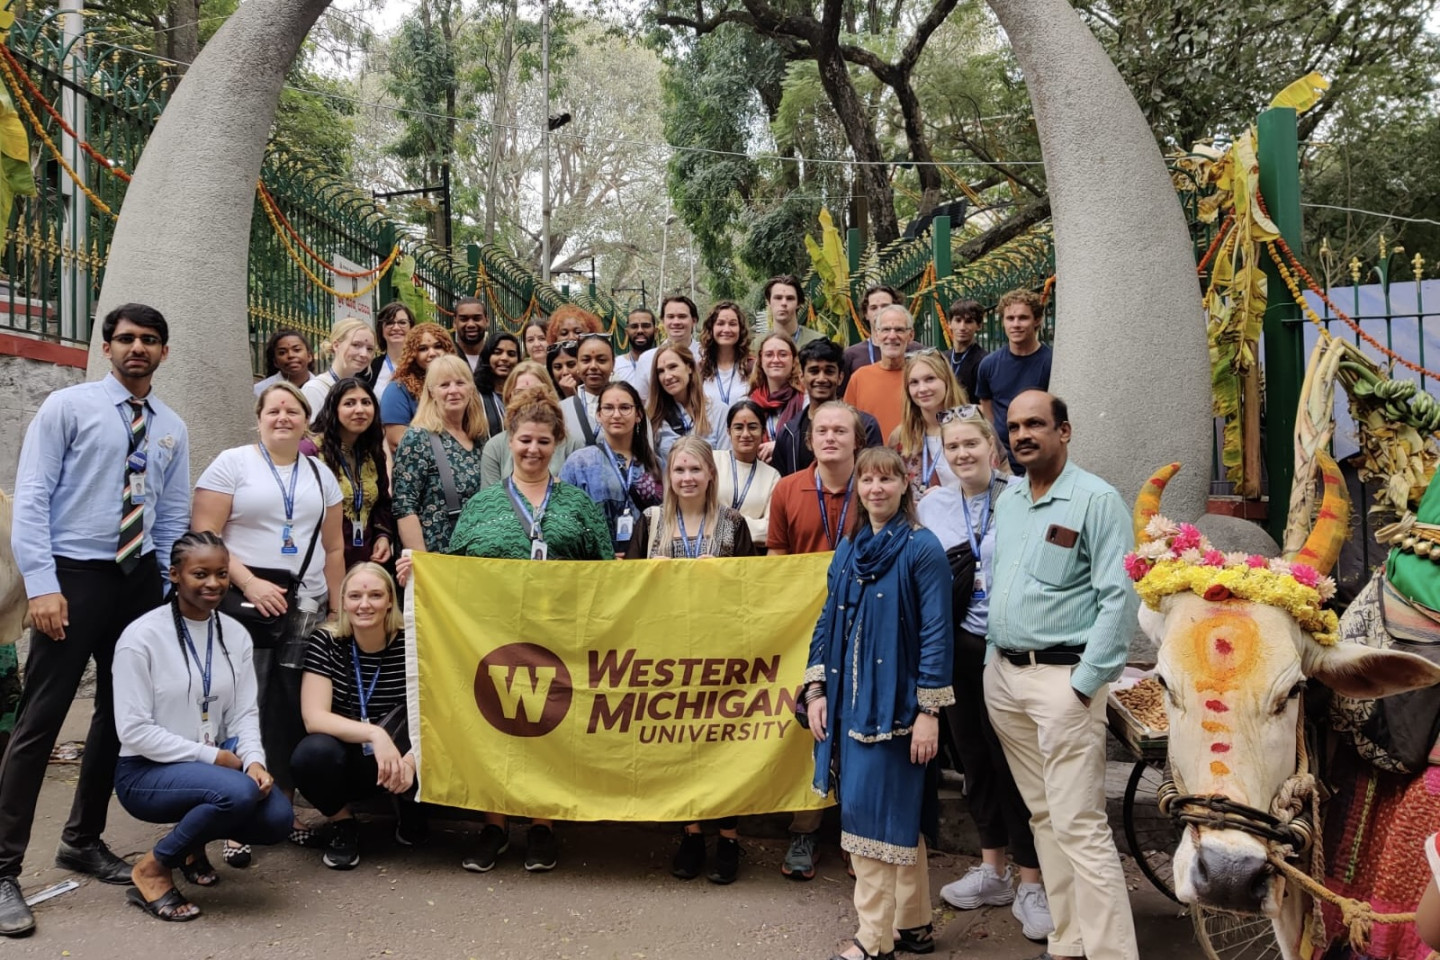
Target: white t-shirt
(316, 389)
(257, 511)
(383, 378)
(727, 388)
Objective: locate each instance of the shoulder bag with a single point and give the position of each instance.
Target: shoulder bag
(447, 476)
(266, 632)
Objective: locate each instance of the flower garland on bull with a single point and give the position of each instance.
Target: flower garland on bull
(1172, 558)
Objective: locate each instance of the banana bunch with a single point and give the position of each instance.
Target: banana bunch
(1395, 425)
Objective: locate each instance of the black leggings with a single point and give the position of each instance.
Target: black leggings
(332, 773)
(999, 811)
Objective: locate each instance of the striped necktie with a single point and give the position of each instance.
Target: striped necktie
(132, 514)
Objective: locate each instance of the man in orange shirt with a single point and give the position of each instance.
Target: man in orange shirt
(811, 511)
(879, 389)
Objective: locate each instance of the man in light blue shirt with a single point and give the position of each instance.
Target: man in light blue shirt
(1062, 613)
(102, 492)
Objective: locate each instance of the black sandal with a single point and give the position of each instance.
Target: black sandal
(916, 939)
(197, 869)
(165, 907)
(866, 955)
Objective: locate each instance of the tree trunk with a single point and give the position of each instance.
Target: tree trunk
(184, 33)
(873, 175)
(931, 187)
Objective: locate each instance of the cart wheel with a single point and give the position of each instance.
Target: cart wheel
(1234, 936)
(1152, 836)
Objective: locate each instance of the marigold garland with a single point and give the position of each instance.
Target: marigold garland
(55, 151)
(1178, 558)
(305, 268)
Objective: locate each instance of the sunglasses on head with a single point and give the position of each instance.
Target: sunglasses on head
(969, 411)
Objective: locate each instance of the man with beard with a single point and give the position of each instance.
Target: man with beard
(472, 323)
(640, 334)
(820, 363)
(102, 492)
(1062, 612)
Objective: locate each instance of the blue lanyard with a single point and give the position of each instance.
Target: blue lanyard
(627, 477)
(523, 505)
(685, 539)
(209, 653)
(738, 495)
(825, 514)
(927, 466)
(726, 387)
(357, 491)
(870, 345)
(984, 523)
(289, 497)
(389, 364)
(687, 423)
(362, 692)
(771, 420)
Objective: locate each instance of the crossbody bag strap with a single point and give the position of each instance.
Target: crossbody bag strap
(585, 426)
(447, 476)
(315, 535)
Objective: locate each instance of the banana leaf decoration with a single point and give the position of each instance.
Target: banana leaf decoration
(832, 268)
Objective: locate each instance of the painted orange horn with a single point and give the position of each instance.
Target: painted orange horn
(1322, 548)
(1148, 503)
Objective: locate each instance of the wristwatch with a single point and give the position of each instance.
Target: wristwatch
(930, 711)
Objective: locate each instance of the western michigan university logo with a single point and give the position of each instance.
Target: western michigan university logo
(522, 689)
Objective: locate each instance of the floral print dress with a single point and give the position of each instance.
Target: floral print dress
(418, 491)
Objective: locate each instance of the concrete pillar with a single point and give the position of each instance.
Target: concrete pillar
(1130, 351)
(182, 243)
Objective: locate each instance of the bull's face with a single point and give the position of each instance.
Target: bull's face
(1233, 671)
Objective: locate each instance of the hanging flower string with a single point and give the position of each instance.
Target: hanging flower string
(1178, 558)
(383, 269)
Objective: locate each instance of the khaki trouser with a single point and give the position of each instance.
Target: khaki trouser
(889, 896)
(1056, 750)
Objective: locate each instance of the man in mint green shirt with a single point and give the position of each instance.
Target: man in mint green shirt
(1062, 613)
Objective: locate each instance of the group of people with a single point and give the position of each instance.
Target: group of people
(939, 479)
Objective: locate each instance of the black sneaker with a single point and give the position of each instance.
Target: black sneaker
(542, 851)
(412, 824)
(690, 858)
(494, 840)
(16, 920)
(727, 861)
(343, 850)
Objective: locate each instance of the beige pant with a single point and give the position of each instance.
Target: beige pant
(1056, 750)
(888, 897)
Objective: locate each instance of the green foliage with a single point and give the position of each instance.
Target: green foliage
(775, 240)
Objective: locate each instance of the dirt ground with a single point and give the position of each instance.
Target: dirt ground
(612, 898)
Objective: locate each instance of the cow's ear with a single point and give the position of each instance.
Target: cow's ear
(1364, 673)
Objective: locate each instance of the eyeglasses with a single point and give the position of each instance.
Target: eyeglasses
(925, 352)
(396, 322)
(970, 411)
(126, 339)
(610, 409)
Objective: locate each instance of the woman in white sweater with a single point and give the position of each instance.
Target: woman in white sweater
(189, 729)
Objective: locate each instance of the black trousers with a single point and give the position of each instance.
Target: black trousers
(103, 601)
(332, 773)
(999, 811)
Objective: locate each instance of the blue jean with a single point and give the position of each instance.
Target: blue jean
(205, 802)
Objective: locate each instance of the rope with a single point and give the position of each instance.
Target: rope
(105, 163)
(305, 268)
(1357, 915)
(55, 151)
(273, 208)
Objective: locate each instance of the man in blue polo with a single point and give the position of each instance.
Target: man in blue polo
(1062, 613)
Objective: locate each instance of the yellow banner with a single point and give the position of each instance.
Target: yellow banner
(635, 690)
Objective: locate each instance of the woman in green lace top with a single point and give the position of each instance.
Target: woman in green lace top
(532, 516)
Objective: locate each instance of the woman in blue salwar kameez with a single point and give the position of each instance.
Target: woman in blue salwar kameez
(878, 674)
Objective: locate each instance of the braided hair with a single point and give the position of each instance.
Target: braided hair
(187, 543)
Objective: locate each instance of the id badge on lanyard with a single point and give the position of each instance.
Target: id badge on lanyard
(624, 526)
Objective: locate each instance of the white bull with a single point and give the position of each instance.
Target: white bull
(1238, 637)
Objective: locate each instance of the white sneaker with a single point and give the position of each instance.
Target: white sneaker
(980, 887)
(1032, 909)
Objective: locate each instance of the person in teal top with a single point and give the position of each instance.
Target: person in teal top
(530, 516)
(1418, 578)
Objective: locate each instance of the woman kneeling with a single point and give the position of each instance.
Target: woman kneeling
(353, 702)
(188, 727)
(878, 674)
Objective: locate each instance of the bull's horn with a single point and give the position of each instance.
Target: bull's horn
(1322, 548)
(1148, 503)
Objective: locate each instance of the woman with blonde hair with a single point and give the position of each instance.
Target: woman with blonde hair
(401, 398)
(353, 701)
(678, 406)
(930, 388)
(497, 463)
(437, 464)
(352, 346)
